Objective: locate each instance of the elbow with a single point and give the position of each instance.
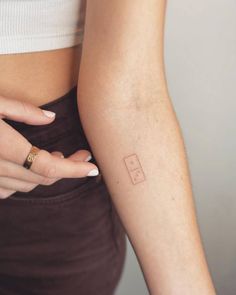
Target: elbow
(117, 100)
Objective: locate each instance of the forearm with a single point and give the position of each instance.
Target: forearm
(157, 212)
(127, 114)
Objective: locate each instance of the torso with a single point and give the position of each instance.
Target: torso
(39, 77)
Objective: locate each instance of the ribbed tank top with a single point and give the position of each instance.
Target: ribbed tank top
(38, 25)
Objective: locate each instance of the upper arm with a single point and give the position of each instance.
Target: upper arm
(123, 43)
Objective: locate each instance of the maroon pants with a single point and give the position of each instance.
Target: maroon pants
(66, 238)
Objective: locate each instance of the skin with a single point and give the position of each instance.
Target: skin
(41, 76)
(141, 156)
(50, 74)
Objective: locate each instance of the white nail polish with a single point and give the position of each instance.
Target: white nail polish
(93, 172)
(88, 158)
(49, 114)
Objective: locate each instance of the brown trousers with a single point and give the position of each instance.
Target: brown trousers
(66, 238)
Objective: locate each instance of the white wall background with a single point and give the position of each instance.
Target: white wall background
(200, 55)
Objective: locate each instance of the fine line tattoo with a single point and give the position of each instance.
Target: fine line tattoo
(134, 168)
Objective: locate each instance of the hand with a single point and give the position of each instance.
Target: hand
(46, 168)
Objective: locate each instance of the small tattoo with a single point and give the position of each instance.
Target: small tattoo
(134, 168)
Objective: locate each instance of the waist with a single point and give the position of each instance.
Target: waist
(39, 77)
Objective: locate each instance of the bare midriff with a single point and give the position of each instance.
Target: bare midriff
(39, 77)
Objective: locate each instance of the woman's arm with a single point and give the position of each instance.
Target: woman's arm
(136, 139)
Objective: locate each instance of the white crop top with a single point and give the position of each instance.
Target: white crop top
(38, 25)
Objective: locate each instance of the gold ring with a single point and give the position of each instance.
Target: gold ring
(31, 156)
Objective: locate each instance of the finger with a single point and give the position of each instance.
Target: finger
(58, 154)
(81, 155)
(5, 193)
(13, 170)
(25, 186)
(22, 111)
(47, 165)
(17, 153)
(16, 184)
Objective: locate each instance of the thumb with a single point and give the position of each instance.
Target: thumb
(23, 111)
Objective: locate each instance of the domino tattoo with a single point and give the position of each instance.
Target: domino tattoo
(134, 169)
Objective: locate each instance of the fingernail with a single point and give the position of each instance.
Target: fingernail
(93, 172)
(88, 158)
(49, 114)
